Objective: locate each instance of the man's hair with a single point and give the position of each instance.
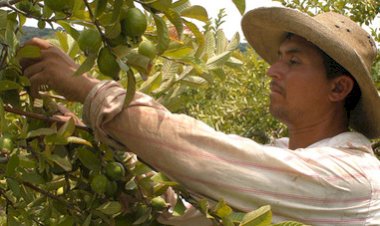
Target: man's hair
(333, 70)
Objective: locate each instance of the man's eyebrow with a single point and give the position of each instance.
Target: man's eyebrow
(288, 51)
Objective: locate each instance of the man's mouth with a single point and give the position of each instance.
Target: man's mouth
(275, 88)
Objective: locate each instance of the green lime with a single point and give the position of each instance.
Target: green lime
(133, 23)
(99, 183)
(148, 49)
(89, 41)
(115, 170)
(6, 143)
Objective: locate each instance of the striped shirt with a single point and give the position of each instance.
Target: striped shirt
(335, 181)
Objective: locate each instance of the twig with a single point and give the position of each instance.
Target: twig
(10, 5)
(42, 117)
(50, 195)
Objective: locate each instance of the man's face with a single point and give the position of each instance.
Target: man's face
(299, 86)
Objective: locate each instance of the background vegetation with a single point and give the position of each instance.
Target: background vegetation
(55, 173)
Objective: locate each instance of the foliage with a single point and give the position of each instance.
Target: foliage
(54, 172)
(238, 101)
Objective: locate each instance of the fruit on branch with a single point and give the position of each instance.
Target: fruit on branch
(148, 49)
(133, 23)
(99, 184)
(115, 170)
(89, 41)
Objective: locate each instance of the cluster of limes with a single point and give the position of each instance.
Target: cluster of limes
(133, 24)
(107, 182)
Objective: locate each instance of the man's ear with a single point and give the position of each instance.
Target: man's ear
(341, 86)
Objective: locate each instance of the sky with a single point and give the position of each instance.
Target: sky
(232, 20)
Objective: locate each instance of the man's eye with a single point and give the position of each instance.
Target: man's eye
(293, 61)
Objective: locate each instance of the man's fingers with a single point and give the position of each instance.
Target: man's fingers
(42, 43)
(37, 83)
(33, 69)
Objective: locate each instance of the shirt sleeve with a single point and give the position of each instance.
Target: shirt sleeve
(220, 166)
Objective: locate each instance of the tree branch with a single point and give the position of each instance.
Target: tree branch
(42, 117)
(52, 196)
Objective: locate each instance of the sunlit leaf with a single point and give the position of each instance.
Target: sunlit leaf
(240, 5)
(110, 208)
(195, 12)
(259, 217)
(162, 34)
(67, 129)
(198, 35)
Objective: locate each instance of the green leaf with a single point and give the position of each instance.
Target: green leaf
(86, 65)
(67, 129)
(179, 208)
(117, 7)
(204, 207)
(78, 140)
(110, 208)
(2, 116)
(289, 223)
(87, 222)
(218, 60)
(162, 34)
(151, 84)
(62, 161)
(195, 12)
(28, 51)
(33, 178)
(41, 132)
(178, 53)
(161, 5)
(12, 165)
(194, 81)
(175, 19)
(222, 209)
(3, 19)
(221, 42)
(69, 29)
(14, 186)
(9, 85)
(145, 215)
(66, 221)
(240, 5)
(131, 89)
(234, 43)
(100, 7)
(210, 44)
(259, 217)
(198, 35)
(181, 5)
(89, 159)
(140, 62)
(237, 217)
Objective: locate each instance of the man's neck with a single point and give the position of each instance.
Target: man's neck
(303, 136)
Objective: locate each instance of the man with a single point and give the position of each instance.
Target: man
(323, 174)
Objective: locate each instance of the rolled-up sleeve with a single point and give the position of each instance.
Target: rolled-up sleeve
(217, 165)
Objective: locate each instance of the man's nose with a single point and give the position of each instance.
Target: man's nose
(276, 70)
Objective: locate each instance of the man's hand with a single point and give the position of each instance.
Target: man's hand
(54, 70)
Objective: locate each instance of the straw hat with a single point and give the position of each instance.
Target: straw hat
(338, 36)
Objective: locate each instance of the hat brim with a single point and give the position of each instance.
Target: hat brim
(265, 28)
